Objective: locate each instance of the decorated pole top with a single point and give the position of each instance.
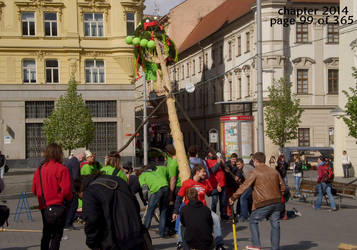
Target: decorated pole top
(144, 47)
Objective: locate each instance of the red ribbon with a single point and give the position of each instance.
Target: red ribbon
(150, 24)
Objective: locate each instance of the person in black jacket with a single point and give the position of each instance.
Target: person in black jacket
(133, 182)
(282, 168)
(108, 218)
(197, 223)
(73, 165)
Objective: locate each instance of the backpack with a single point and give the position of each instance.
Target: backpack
(4, 215)
(128, 229)
(327, 173)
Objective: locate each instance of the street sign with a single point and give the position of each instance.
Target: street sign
(7, 139)
(213, 137)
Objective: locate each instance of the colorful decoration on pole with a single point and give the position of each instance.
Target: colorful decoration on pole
(145, 52)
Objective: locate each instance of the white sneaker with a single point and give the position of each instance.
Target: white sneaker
(252, 248)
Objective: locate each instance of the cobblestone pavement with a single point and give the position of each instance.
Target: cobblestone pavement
(313, 230)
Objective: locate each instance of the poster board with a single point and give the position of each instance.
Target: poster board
(237, 136)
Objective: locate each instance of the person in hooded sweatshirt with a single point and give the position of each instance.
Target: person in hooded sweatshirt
(198, 223)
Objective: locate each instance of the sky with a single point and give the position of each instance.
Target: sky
(163, 5)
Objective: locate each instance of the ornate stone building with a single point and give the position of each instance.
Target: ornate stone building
(43, 43)
(219, 58)
(348, 59)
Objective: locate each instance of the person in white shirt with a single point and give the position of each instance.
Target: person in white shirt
(346, 163)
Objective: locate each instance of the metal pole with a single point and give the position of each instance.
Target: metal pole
(145, 127)
(260, 79)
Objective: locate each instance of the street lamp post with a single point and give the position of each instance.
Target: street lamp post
(260, 78)
(145, 128)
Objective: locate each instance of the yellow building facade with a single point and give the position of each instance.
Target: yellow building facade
(45, 42)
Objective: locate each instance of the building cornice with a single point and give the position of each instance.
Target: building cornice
(136, 4)
(63, 87)
(94, 6)
(303, 60)
(66, 49)
(24, 92)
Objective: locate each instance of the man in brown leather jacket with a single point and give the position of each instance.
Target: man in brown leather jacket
(268, 188)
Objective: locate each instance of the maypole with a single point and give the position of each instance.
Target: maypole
(154, 51)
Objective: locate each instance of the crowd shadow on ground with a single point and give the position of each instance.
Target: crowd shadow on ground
(165, 245)
(302, 245)
(21, 248)
(227, 228)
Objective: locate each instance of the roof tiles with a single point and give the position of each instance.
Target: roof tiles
(224, 14)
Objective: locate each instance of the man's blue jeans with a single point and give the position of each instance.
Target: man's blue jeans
(222, 202)
(297, 184)
(272, 212)
(161, 197)
(244, 201)
(321, 189)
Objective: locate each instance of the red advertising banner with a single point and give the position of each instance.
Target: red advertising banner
(237, 118)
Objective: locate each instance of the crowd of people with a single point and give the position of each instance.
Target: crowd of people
(105, 195)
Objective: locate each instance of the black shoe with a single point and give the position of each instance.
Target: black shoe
(225, 218)
(179, 245)
(220, 247)
(171, 232)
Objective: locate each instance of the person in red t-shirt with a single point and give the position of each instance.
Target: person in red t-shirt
(53, 188)
(203, 187)
(218, 181)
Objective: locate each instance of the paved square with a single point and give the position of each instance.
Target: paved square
(321, 230)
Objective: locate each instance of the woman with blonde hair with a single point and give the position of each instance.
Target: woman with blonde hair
(113, 166)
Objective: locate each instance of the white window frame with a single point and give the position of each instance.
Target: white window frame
(52, 69)
(332, 32)
(51, 22)
(91, 22)
(30, 70)
(300, 81)
(28, 23)
(91, 71)
(302, 33)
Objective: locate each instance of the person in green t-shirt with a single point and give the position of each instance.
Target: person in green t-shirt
(175, 184)
(112, 166)
(90, 166)
(157, 183)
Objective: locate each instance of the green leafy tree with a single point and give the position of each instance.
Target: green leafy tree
(350, 118)
(70, 124)
(282, 113)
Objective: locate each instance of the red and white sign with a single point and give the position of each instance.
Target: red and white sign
(237, 118)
